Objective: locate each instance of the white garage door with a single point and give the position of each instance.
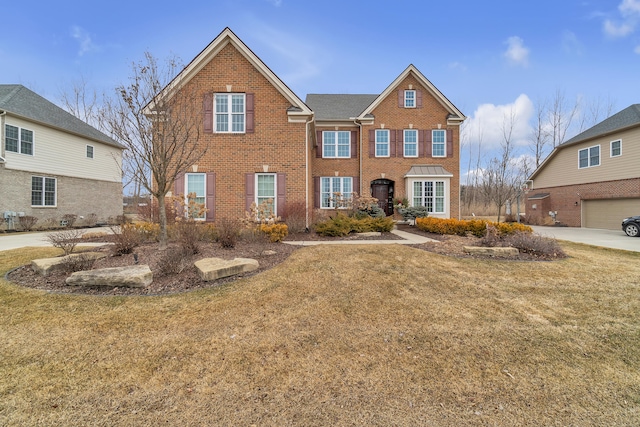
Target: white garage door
(608, 213)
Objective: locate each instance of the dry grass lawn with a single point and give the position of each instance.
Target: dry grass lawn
(336, 336)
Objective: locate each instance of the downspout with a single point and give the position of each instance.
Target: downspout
(360, 157)
(306, 170)
(2, 144)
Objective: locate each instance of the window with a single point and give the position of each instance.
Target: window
(43, 191)
(89, 151)
(409, 99)
(429, 194)
(18, 140)
(382, 143)
(438, 138)
(335, 191)
(410, 143)
(266, 185)
(195, 184)
(230, 112)
(616, 148)
(589, 157)
(336, 144)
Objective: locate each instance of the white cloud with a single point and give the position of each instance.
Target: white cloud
(487, 123)
(617, 30)
(516, 52)
(629, 7)
(630, 14)
(84, 40)
(571, 44)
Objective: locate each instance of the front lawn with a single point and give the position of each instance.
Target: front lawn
(336, 335)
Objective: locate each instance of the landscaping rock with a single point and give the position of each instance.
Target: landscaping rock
(45, 266)
(370, 234)
(498, 250)
(216, 268)
(134, 276)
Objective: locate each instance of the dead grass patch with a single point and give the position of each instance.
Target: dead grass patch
(337, 335)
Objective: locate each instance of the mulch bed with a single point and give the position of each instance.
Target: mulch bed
(267, 254)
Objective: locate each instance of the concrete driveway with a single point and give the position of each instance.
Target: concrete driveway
(592, 236)
(21, 240)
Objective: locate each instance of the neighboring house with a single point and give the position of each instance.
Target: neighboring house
(593, 179)
(265, 144)
(53, 164)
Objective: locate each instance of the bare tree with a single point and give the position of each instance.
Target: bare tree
(158, 119)
(500, 176)
(83, 102)
(560, 117)
(595, 111)
(540, 135)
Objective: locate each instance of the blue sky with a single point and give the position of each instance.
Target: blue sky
(487, 57)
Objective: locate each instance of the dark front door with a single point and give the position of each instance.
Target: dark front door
(383, 191)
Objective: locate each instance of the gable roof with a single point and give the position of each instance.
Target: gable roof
(629, 117)
(454, 114)
(208, 53)
(22, 102)
(338, 106)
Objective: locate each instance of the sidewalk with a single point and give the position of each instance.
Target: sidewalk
(409, 239)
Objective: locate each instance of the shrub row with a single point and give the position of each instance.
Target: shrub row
(342, 225)
(477, 227)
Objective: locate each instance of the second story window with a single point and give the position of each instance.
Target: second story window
(410, 143)
(616, 148)
(382, 143)
(409, 99)
(89, 151)
(438, 139)
(18, 140)
(589, 157)
(230, 112)
(336, 144)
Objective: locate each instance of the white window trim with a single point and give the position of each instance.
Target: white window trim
(388, 142)
(433, 142)
(415, 95)
(33, 143)
(611, 148)
(93, 151)
(331, 201)
(404, 143)
(445, 186)
(337, 156)
(275, 190)
(588, 149)
(186, 192)
(55, 194)
(229, 112)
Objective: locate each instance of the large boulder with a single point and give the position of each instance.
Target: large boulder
(211, 269)
(494, 251)
(45, 266)
(134, 276)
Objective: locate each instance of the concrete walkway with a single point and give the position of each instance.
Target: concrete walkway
(409, 239)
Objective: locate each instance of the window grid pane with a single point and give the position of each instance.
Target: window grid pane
(410, 143)
(616, 148)
(594, 156)
(583, 158)
(344, 144)
(382, 143)
(26, 143)
(49, 192)
(11, 138)
(409, 98)
(438, 139)
(36, 191)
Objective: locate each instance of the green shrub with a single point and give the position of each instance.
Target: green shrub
(412, 212)
(477, 227)
(342, 225)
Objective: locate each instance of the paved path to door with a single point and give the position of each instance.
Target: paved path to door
(592, 236)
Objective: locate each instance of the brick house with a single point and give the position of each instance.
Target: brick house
(593, 179)
(264, 143)
(53, 164)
